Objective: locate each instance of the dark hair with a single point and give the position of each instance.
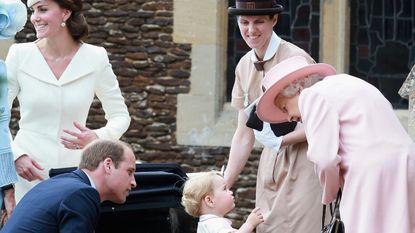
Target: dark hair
(76, 24)
(99, 150)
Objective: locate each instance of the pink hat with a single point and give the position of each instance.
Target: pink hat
(279, 77)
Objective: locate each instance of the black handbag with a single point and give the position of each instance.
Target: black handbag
(336, 225)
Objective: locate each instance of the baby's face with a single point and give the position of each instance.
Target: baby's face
(223, 197)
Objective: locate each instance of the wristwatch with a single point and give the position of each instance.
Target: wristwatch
(7, 187)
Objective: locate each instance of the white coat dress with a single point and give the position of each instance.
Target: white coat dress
(49, 105)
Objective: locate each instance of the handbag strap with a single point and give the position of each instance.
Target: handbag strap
(336, 210)
(337, 204)
(324, 213)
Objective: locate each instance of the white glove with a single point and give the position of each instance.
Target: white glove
(267, 137)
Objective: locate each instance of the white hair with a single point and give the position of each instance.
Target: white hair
(294, 87)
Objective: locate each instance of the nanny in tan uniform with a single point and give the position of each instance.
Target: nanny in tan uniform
(287, 189)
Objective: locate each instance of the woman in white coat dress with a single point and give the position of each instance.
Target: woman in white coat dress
(55, 80)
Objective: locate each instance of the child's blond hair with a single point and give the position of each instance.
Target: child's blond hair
(195, 189)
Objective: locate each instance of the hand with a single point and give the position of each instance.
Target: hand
(26, 168)
(9, 201)
(294, 137)
(255, 217)
(80, 139)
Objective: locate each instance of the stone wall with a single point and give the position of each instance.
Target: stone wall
(152, 70)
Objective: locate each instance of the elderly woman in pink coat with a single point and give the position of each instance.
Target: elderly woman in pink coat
(355, 141)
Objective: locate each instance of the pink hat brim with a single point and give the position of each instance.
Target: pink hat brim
(266, 108)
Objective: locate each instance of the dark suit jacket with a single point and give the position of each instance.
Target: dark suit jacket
(65, 203)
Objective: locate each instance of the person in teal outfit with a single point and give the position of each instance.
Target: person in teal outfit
(13, 16)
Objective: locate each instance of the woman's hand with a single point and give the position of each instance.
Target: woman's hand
(294, 137)
(80, 139)
(27, 168)
(9, 201)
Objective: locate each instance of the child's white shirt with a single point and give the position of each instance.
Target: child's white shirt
(209, 223)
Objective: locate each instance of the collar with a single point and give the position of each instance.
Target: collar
(35, 65)
(272, 48)
(205, 217)
(91, 181)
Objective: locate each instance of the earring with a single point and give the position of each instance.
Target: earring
(63, 24)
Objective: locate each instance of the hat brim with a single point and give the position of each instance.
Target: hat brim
(265, 11)
(266, 108)
(30, 3)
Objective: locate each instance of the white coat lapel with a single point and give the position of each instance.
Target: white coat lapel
(34, 65)
(77, 68)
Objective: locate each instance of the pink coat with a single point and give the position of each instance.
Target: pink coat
(356, 141)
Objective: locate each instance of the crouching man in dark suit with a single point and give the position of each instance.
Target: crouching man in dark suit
(70, 202)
